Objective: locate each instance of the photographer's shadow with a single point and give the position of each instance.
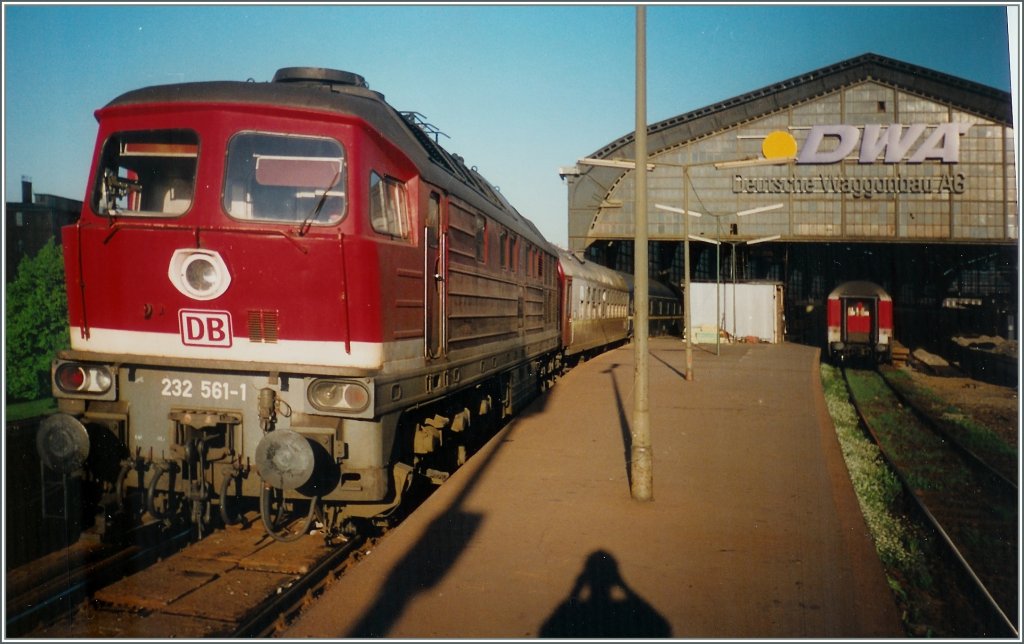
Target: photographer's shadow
(602, 605)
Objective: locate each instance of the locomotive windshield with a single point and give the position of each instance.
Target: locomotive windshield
(274, 177)
(150, 173)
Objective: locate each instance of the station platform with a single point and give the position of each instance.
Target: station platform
(753, 532)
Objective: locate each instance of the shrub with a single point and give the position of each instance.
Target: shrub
(36, 324)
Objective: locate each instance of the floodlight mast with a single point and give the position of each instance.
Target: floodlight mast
(641, 458)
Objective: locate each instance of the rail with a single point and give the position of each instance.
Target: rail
(915, 491)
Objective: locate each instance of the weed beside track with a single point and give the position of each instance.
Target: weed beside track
(934, 597)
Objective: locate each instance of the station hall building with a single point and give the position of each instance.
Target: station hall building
(869, 169)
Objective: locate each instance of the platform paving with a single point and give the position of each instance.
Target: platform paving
(754, 530)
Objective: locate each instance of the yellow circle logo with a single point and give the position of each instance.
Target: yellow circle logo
(779, 145)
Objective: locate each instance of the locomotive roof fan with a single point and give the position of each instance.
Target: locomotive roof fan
(319, 76)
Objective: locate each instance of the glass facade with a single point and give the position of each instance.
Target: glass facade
(887, 166)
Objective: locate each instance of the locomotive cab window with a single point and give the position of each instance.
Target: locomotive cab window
(389, 206)
(146, 174)
(276, 177)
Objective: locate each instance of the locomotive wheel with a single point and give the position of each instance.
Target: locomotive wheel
(278, 513)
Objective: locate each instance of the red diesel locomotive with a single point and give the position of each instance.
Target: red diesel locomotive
(287, 291)
(860, 322)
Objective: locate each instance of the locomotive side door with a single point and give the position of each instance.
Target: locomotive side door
(434, 280)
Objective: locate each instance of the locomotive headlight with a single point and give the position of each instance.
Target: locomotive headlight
(83, 379)
(199, 274)
(338, 395)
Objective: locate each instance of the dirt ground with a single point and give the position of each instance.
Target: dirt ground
(995, 406)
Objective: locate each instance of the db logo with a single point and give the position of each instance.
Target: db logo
(205, 328)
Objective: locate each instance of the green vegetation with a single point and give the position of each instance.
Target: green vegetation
(878, 489)
(973, 435)
(904, 546)
(36, 324)
(31, 409)
(921, 455)
(926, 585)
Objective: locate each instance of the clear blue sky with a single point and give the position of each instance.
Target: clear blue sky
(520, 90)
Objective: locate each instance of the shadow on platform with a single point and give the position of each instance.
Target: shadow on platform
(601, 604)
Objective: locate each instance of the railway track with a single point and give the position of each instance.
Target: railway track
(235, 582)
(979, 446)
(157, 580)
(970, 501)
(55, 584)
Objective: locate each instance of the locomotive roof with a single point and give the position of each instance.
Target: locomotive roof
(346, 93)
(859, 288)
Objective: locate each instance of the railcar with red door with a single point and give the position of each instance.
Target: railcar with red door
(860, 322)
(287, 293)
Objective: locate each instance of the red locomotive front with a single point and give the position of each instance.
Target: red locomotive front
(265, 279)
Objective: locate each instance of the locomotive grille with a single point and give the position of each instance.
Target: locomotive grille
(263, 326)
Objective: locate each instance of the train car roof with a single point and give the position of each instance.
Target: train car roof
(859, 288)
(660, 289)
(579, 268)
(654, 287)
(338, 92)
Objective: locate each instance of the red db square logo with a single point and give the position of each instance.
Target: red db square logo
(205, 328)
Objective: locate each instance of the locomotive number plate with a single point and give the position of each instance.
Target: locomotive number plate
(204, 390)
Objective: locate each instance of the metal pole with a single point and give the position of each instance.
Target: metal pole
(687, 331)
(718, 286)
(641, 470)
(733, 254)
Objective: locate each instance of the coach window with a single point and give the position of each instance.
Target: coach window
(389, 206)
(146, 174)
(284, 178)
